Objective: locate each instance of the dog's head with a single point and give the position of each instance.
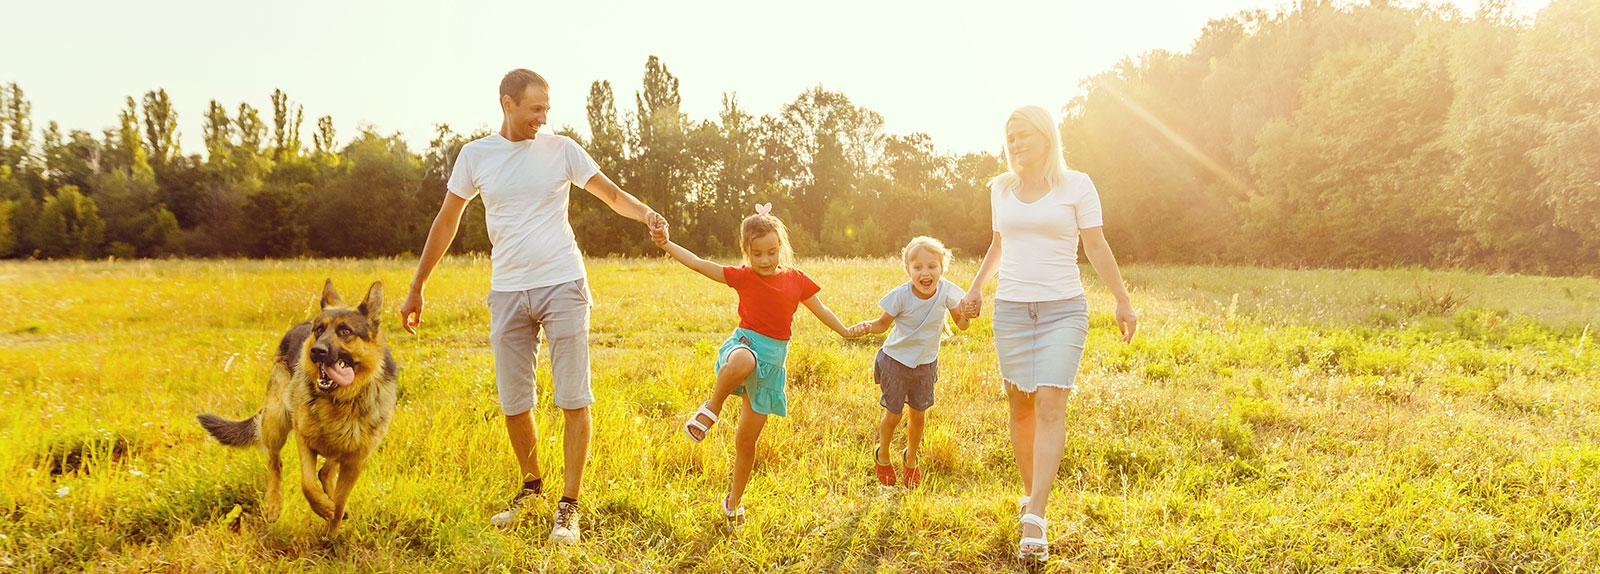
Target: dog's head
(346, 347)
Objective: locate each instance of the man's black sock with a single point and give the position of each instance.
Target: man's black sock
(536, 485)
(569, 499)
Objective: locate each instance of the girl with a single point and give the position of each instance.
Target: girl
(751, 362)
(908, 363)
(1041, 210)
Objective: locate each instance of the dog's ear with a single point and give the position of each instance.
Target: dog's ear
(329, 296)
(372, 306)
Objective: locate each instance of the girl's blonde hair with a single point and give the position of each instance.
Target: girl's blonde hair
(1055, 168)
(758, 226)
(922, 242)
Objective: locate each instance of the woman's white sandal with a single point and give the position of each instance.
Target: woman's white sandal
(1022, 506)
(735, 518)
(694, 423)
(1034, 549)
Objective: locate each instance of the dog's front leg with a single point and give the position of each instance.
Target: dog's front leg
(348, 472)
(328, 475)
(320, 503)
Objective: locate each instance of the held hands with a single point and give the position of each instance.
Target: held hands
(858, 330)
(972, 305)
(658, 229)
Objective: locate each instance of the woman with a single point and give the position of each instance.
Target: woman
(1041, 210)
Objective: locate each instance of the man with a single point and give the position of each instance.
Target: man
(537, 281)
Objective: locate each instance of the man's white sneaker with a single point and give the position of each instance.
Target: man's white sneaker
(513, 511)
(566, 524)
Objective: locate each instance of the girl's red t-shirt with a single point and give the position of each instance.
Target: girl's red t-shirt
(767, 304)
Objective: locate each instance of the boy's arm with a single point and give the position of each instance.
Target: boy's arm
(826, 315)
(875, 326)
(962, 322)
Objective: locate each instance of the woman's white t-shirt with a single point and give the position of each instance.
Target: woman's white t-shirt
(1039, 240)
(525, 187)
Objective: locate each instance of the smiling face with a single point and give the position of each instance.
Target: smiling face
(764, 254)
(524, 116)
(925, 267)
(1027, 147)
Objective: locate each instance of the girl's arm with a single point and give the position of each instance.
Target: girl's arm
(972, 304)
(692, 261)
(826, 315)
(662, 236)
(875, 326)
(1105, 264)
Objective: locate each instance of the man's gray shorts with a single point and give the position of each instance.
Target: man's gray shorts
(515, 321)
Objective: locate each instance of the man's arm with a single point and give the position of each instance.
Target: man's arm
(440, 236)
(622, 202)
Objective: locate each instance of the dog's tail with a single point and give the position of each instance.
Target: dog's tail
(233, 433)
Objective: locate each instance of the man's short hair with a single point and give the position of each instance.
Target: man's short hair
(517, 81)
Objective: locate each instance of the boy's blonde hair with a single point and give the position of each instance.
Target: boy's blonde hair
(922, 242)
(758, 226)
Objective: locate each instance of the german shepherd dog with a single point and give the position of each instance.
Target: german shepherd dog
(334, 384)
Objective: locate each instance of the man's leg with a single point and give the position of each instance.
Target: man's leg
(514, 338)
(525, 443)
(576, 447)
(565, 315)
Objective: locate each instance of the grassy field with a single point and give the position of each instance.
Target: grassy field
(1263, 421)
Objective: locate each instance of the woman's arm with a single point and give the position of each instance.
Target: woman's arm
(826, 315)
(972, 304)
(1105, 264)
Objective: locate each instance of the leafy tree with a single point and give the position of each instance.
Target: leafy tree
(69, 226)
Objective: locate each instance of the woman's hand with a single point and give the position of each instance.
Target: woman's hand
(1127, 321)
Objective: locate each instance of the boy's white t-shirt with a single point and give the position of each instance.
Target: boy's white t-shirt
(918, 322)
(525, 187)
(1039, 240)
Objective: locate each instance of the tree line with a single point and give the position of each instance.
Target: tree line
(1320, 134)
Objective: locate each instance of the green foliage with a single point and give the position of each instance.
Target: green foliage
(69, 226)
(8, 236)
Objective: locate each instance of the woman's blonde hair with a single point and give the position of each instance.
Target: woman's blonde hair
(1055, 168)
(758, 226)
(922, 242)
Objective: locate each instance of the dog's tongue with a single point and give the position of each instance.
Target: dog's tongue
(340, 373)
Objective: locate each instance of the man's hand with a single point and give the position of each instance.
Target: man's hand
(411, 311)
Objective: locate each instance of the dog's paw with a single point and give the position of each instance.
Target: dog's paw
(270, 510)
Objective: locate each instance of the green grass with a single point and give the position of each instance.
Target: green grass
(1263, 421)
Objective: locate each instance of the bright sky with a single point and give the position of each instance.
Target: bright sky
(950, 69)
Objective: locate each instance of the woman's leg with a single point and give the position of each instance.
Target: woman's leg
(1050, 405)
(744, 447)
(1022, 430)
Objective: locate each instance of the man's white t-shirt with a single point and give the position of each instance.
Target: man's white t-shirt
(1039, 240)
(918, 322)
(525, 187)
